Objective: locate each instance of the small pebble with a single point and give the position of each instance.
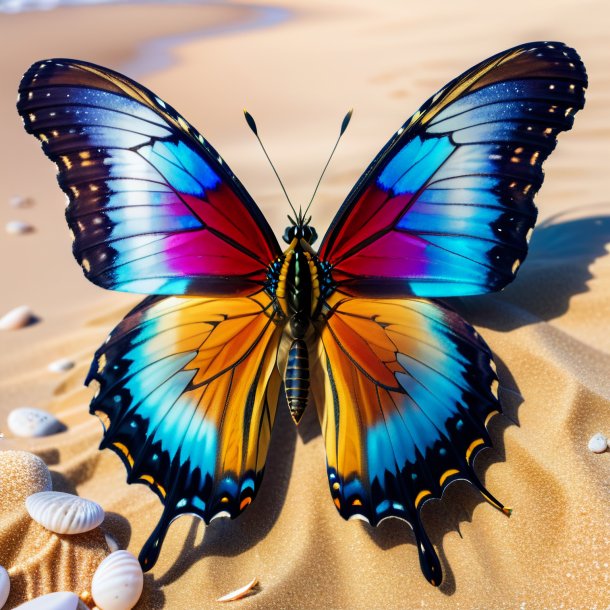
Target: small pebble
(598, 443)
(19, 317)
(52, 601)
(5, 586)
(18, 227)
(61, 365)
(29, 422)
(18, 201)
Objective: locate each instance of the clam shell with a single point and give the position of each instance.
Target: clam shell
(53, 601)
(28, 422)
(61, 365)
(598, 443)
(117, 582)
(64, 513)
(18, 227)
(17, 318)
(239, 593)
(5, 586)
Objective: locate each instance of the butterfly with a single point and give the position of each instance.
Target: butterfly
(188, 383)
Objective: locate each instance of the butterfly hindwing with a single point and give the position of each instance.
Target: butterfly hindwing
(152, 206)
(446, 208)
(405, 389)
(188, 389)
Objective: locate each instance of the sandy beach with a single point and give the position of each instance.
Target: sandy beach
(298, 67)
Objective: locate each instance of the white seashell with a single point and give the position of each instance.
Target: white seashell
(113, 545)
(64, 513)
(18, 227)
(61, 365)
(5, 586)
(28, 422)
(17, 318)
(239, 593)
(598, 443)
(19, 201)
(62, 600)
(117, 582)
(52, 601)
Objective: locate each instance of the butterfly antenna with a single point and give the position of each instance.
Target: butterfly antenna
(344, 124)
(252, 125)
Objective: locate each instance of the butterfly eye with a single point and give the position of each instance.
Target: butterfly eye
(313, 236)
(288, 234)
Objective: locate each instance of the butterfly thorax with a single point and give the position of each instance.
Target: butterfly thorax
(298, 289)
(297, 281)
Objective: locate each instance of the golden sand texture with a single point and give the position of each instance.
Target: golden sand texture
(37, 560)
(549, 330)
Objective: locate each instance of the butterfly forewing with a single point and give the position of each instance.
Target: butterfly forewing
(153, 207)
(446, 208)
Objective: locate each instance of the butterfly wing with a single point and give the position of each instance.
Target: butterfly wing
(446, 208)
(188, 390)
(404, 390)
(152, 206)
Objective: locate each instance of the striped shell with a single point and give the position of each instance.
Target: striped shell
(64, 513)
(62, 600)
(117, 582)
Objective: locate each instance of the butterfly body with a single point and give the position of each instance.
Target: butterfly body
(298, 283)
(405, 388)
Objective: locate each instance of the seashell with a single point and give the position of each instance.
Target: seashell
(5, 586)
(113, 545)
(18, 227)
(28, 422)
(62, 600)
(17, 318)
(64, 513)
(61, 365)
(598, 443)
(117, 582)
(239, 593)
(19, 201)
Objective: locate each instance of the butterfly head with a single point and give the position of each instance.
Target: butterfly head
(300, 230)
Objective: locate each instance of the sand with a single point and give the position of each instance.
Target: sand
(298, 68)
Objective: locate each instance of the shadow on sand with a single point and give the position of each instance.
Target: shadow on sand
(556, 269)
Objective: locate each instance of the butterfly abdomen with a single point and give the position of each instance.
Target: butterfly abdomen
(296, 379)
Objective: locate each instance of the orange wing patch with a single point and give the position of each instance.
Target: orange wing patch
(404, 390)
(188, 392)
